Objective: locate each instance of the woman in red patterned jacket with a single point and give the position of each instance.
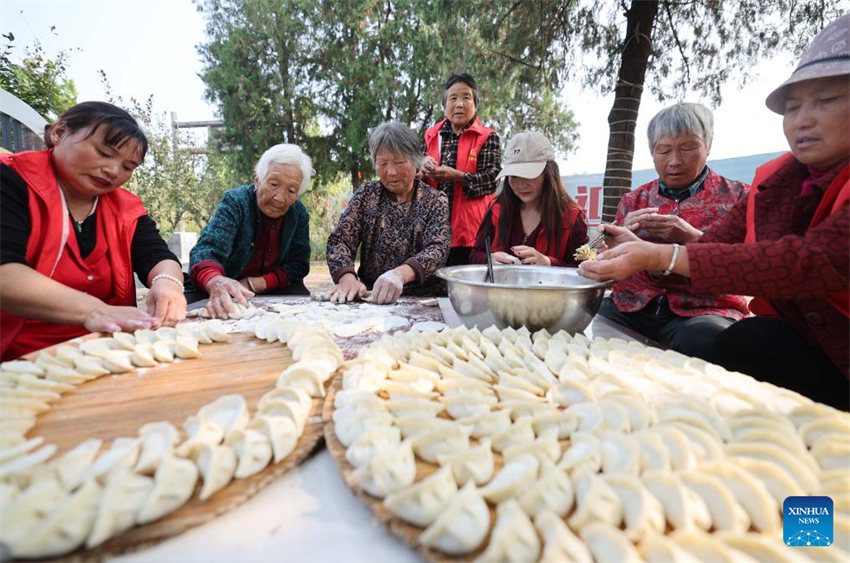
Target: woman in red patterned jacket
(679, 206)
(788, 242)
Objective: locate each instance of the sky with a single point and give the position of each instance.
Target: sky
(148, 47)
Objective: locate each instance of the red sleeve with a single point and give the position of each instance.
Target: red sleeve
(276, 279)
(732, 228)
(202, 272)
(793, 267)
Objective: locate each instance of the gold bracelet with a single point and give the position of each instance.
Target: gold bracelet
(167, 277)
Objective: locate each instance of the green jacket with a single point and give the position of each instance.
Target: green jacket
(231, 234)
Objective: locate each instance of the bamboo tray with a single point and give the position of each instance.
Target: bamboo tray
(118, 405)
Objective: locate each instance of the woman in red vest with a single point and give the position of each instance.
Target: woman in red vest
(532, 220)
(72, 237)
(787, 243)
(462, 159)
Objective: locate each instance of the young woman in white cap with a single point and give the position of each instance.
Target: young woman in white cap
(532, 220)
(787, 243)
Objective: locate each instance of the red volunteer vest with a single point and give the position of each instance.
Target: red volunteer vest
(835, 196)
(467, 213)
(542, 242)
(52, 250)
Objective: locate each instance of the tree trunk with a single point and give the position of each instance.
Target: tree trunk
(637, 47)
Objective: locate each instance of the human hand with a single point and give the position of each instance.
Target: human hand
(388, 287)
(530, 255)
(166, 302)
(504, 258)
(120, 319)
(622, 261)
(348, 288)
(616, 235)
(445, 174)
(428, 165)
(221, 289)
(669, 228)
(632, 220)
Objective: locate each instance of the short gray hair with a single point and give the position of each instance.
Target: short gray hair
(683, 118)
(285, 153)
(397, 138)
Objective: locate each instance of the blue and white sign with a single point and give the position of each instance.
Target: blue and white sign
(807, 521)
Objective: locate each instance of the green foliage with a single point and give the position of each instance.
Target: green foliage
(37, 80)
(322, 73)
(325, 203)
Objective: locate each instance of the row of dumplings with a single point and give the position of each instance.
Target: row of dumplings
(28, 387)
(52, 506)
(702, 469)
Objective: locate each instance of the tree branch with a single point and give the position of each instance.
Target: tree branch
(678, 43)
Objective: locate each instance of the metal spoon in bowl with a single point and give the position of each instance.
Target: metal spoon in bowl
(490, 277)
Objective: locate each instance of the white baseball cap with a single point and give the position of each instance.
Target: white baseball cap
(526, 155)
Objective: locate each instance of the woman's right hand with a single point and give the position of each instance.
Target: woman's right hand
(221, 290)
(616, 235)
(504, 258)
(348, 288)
(119, 319)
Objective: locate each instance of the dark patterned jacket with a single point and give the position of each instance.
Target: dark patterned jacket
(389, 234)
(702, 210)
(792, 265)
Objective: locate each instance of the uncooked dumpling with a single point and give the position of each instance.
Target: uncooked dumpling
(174, 483)
(475, 464)
(642, 512)
(122, 497)
(513, 538)
(421, 503)
(158, 439)
(596, 501)
(552, 491)
(510, 480)
(445, 440)
(71, 466)
(217, 465)
(280, 431)
(388, 472)
(461, 526)
(560, 545)
(253, 449)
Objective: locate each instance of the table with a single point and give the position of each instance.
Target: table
(307, 515)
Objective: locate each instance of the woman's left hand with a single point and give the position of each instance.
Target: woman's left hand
(166, 302)
(622, 261)
(529, 255)
(388, 287)
(669, 228)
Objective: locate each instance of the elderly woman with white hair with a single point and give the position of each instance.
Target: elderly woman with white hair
(787, 243)
(258, 241)
(399, 224)
(679, 206)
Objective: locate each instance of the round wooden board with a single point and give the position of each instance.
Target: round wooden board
(408, 533)
(118, 405)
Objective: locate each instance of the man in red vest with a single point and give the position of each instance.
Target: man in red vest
(463, 160)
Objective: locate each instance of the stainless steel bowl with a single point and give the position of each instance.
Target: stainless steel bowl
(536, 297)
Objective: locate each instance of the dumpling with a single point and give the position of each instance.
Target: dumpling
(228, 413)
(198, 433)
(757, 546)
(656, 548)
(778, 482)
(678, 446)
(683, 508)
(832, 453)
(124, 340)
(303, 377)
(124, 452)
(552, 491)
(71, 467)
(509, 481)
(607, 543)
(349, 424)
(475, 464)
(280, 431)
(163, 351)
(414, 407)
(142, 356)
(726, 513)
(802, 468)
(158, 439)
(174, 483)
(751, 493)
(833, 427)
(253, 450)
(415, 425)
(117, 361)
(22, 366)
(706, 548)
(468, 404)
(65, 527)
(445, 440)
(596, 501)
(29, 508)
(7, 454)
(620, 453)
(560, 545)
(24, 463)
(488, 423)
(584, 454)
(545, 446)
(520, 432)
(375, 439)
(462, 525)
(217, 465)
(98, 346)
(561, 422)
(90, 365)
(123, 495)
(654, 454)
(705, 445)
(588, 417)
(388, 472)
(642, 513)
(420, 504)
(513, 538)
